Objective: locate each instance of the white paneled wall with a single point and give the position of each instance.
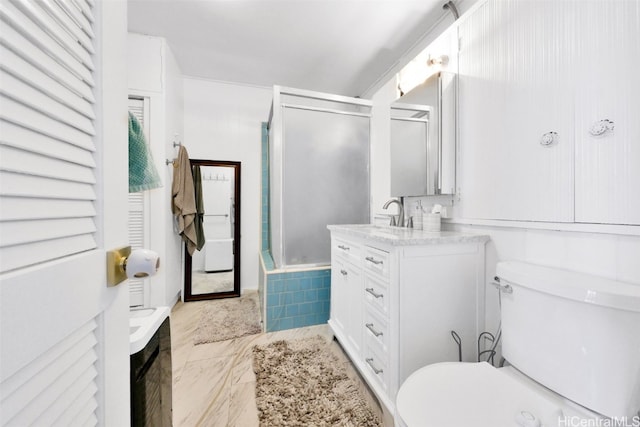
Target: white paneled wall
(223, 122)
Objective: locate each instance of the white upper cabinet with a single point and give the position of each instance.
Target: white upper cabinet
(608, 153)
(515, 87)
(534, 79)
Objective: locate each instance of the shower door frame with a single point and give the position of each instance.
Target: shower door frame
(276, 137)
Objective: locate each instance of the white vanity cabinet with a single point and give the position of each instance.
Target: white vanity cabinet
(346, 300)
(396, 295)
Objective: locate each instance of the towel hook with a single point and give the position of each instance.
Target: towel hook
(176, 141)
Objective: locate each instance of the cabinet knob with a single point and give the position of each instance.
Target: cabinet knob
(548, 138)
(601, 127)
(343, 272)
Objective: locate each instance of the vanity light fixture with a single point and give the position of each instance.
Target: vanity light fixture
(440, 61)
(419, 70)
(412, 75)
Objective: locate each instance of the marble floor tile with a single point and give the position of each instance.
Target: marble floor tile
(195, 400)
(243, 411)
(214, 383)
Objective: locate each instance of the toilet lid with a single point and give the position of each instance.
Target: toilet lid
(476, 395)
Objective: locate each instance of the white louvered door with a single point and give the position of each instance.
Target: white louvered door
(138, 224)
(63, 333)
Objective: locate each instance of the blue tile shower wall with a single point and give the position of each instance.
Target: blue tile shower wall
(268, 260)
(297, 299)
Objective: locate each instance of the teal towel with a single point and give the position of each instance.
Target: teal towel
(143, 174)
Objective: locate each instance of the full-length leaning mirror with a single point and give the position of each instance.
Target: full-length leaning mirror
(214, 271)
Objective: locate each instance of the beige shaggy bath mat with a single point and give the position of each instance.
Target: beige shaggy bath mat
(225, 319)
(301, 383)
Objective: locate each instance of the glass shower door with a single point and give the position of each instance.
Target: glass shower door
(325, 179)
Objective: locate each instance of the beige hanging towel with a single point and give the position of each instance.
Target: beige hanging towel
(183, 200)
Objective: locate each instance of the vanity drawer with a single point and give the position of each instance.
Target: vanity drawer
(377, 366)
(376, 295)
(376, 261)
(376, 332)
(347, 250)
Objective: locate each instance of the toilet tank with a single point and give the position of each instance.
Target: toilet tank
(577, 334)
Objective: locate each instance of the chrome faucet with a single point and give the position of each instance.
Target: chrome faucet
(400, 222)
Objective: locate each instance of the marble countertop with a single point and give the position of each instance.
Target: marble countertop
(397, 236)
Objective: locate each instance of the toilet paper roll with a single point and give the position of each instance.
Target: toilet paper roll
(142, 263)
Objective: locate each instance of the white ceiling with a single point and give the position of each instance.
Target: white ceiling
(336, 46)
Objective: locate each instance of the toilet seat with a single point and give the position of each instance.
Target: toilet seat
(453, 394)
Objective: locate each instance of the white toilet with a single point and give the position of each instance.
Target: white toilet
(573, 343)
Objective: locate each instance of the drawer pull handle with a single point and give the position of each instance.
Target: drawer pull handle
(370, 362)
(373, 260)
(344, 272)
(344, 248)
(372, 292)
(373, 331)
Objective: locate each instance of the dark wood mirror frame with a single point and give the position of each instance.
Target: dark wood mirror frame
(188, 296)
